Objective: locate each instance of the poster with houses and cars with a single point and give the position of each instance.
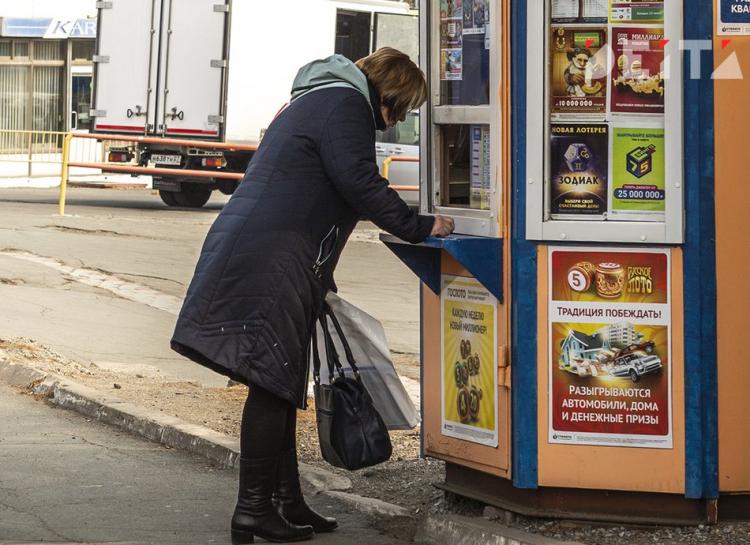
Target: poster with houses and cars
(610, 347)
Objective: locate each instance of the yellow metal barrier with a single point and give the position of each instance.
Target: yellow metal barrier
(64, 172)
(21, 150)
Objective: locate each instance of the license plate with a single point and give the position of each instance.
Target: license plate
(166, 159)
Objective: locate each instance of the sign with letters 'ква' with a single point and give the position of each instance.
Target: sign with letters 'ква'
(733, 17)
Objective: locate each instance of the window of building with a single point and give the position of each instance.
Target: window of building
(48, 50)
(14, 97)
(21, 50)
(82, 50)
(31, 96)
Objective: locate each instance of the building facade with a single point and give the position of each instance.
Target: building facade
(46, 69)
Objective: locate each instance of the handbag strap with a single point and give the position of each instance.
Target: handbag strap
(315, 356)
(332, 355)
(347, 349)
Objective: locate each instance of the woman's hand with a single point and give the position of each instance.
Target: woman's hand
(443, 226)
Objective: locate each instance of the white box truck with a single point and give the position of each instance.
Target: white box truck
(220, 70)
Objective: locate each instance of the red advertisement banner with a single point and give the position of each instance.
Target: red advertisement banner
(637, 74)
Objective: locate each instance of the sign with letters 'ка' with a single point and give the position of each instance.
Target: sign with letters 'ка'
(733, 17)
(47, 28)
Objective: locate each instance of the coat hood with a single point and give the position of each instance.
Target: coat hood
(334, 71)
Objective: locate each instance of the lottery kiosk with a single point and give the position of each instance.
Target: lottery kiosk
(582, 338)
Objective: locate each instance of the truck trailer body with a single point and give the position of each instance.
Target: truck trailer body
(219, 71)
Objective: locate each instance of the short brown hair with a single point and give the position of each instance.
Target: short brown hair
(400, 82)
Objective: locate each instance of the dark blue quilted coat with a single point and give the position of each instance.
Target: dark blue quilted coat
(268, 259)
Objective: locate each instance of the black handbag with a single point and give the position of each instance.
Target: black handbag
(351, 432)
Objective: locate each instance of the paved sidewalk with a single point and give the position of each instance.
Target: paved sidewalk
(65, 479)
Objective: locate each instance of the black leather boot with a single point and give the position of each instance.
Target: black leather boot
(255, 514)
(289, 500)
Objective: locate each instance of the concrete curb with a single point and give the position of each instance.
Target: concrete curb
(173, 432)
(458, 530)
(20, 375)
(166, 430)
(371, 506)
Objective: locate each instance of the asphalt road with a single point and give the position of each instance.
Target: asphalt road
(64, 479)
(103, 283)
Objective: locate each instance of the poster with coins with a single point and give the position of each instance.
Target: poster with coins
(610, 347)
(468, 314)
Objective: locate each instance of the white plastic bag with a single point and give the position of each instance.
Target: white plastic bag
(366, 338)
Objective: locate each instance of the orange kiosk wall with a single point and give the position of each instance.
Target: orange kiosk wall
(600, 251)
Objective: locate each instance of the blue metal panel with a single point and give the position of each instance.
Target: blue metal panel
(422, 260)
(523, 276)
(421, 373)
(481, 256)
(701, 384)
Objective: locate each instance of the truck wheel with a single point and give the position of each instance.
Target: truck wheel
(168, 197)
(193, 195)
(634, 376)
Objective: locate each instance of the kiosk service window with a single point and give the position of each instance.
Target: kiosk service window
(605, 106)
(461, 152)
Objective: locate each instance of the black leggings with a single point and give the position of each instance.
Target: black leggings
(269, 425)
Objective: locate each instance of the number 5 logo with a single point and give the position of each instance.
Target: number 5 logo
(576, 280)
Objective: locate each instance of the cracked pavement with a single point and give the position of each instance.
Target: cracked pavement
(137, 257)
(64, 479)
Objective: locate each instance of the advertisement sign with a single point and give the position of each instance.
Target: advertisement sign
(579, 11)
(476, 16)
(451, 40)
(636, 11)
(638, 173)
(610, 347)
(22, 27)
(451, 9)
(469, 361)
(579, 162)
(637, 77)
(480, 171)
(578, 71)
(451, 64)
(451, 34)
(733, 17)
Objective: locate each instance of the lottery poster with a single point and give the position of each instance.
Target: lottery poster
(579, 159)
(578, 71)
(469, 361)
(637, 74)
(610, 347)
(638, 174)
